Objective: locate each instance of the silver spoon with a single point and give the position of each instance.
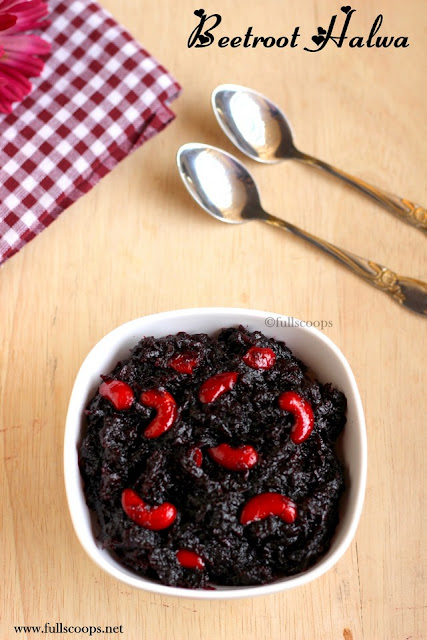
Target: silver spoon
(225, 189)
(260, 129)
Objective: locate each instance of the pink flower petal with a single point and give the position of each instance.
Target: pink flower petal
(15, 77)
(25, 42)
(9, 95)
(7, 21)
(12, 92)
(19, 51)
(31, 17)
(5, 106)
(17, 5)
(6, 5)
(28, 65)
(29, 8)
(26, 25)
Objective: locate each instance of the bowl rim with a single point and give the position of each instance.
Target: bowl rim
(73, 483)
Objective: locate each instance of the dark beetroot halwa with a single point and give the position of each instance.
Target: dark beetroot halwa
(211, 460)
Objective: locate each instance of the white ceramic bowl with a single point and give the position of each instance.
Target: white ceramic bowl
(308, 344)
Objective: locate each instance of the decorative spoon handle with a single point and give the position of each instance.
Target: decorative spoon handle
(400, 207)
(408, 292)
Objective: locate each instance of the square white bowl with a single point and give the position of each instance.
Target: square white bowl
(310, 345)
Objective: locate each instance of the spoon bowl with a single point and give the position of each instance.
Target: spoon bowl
(254, 124)
(218, 182)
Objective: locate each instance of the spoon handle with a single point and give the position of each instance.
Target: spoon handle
(408, 292)
(404, 209)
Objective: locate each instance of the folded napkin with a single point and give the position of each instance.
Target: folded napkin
(100, 96)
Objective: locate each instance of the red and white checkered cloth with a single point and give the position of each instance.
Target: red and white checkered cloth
(101, 95)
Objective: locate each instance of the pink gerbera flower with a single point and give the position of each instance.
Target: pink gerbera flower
(19, 51)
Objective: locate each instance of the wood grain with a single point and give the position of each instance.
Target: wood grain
(137, 244)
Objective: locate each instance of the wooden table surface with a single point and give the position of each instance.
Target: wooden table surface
(137, 244)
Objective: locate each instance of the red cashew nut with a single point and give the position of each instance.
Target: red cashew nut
(215, 386)
(190, 559)
(196, 455)
(268, 504)
(166, 411)
(184, 362)
(238, 459)
(153, 518)
(302, 412)
(118, 393)
(260, 358)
